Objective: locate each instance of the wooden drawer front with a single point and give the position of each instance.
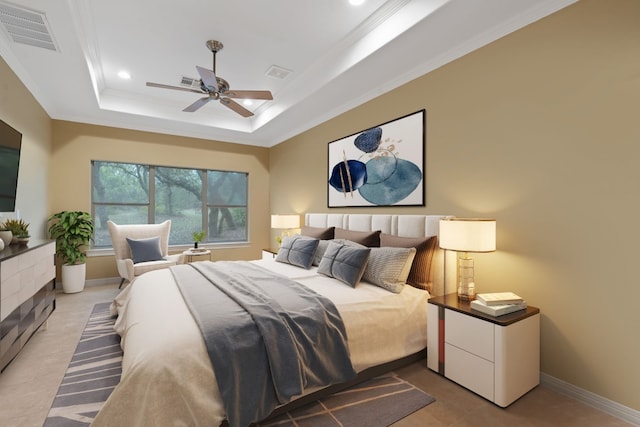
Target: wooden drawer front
(472, 372)
(470, 334)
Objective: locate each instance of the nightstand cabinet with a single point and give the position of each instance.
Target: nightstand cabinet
(495, 357)
(269, 253)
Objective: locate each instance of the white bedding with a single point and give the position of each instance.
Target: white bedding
(167, 378)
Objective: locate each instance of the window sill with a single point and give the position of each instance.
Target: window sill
(98, 252)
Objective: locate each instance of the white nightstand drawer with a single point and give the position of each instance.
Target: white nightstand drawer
(473, 372)
(470, 334)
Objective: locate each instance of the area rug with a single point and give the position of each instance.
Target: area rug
(378, 402)
(96, 366)
(93, 373)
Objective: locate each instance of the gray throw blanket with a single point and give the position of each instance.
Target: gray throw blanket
(268, 337)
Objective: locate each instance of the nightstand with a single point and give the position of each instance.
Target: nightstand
(495, 357)
(269, 253)
(190, 253)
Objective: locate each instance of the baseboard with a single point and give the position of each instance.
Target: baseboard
(588, 398)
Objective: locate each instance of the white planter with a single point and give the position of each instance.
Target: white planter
(6, 237)
(73, 277)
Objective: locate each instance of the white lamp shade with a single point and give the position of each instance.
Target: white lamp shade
(468, 234)
(285, 221)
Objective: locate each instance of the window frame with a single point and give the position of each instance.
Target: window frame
(151, 206)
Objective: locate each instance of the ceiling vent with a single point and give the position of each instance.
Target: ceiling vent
(278, 72)
(26, 26)
(190, 82)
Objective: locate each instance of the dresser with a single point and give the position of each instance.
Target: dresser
(27, 293)
(495, 357)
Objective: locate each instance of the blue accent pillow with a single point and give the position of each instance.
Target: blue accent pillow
(345, 263)
(298, 251)
(143, 250)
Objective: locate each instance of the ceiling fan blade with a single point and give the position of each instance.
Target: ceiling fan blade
(196, 105)
(184, 89)
(209, 78)
(236, 107)
(249, 94)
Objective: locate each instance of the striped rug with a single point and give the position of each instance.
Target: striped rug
(95, 368)
(93, 373)
(378, 402)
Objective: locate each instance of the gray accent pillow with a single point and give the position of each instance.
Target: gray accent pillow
(389, 267)
(345, 263)
(298, 251)
(143, 250)
(324, 244)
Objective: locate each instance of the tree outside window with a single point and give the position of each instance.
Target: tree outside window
(193, 199)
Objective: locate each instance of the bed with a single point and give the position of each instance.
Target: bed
(167, 375)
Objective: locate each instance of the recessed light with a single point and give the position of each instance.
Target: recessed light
(247, 102)
(124, 75)
(356, 2)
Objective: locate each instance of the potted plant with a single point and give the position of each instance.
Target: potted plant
(198, 236)
(19, 230)
(72, 231)
(5, 235)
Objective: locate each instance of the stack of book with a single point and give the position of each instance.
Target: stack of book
(498, 303)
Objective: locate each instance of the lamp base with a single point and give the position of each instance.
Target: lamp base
(466, 285)
(466, 292)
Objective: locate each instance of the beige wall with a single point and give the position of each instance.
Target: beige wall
(19, 109)
(539, 130)
(75, 145)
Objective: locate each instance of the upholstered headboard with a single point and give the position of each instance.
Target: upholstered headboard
(397, 225)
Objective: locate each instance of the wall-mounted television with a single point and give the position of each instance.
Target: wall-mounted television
(10, 144)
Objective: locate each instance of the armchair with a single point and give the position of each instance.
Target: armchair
(127, 269)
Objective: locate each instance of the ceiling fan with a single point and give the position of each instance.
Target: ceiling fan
(217, 88)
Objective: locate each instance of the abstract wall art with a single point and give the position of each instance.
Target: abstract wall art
(380, 166)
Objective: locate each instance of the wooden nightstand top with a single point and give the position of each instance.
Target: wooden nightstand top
(452, 302)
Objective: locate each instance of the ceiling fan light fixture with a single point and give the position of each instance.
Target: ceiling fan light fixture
(215, 88)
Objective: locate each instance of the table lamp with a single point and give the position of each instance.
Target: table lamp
(467, 235)
(284, 222)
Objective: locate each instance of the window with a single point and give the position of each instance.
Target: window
(193, 199)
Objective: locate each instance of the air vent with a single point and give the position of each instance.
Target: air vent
(190, 82)
(26, 26)
(278, 72)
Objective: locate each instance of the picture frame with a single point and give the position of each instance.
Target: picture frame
(379, 166)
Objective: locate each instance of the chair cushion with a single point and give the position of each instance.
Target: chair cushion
(143, 250)
(145, 267)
